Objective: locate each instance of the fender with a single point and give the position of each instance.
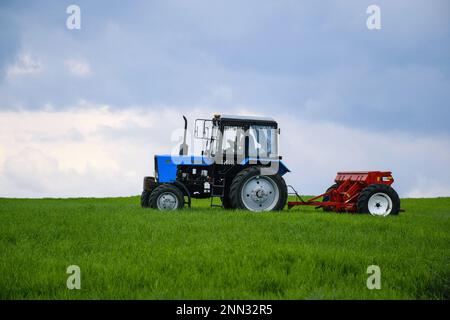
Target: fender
(282, 168)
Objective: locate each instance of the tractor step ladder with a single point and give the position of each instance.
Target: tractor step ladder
(217, 191)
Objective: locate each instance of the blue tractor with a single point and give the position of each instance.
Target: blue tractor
(239, 163)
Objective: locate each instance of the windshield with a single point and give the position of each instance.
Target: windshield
(263, 142)
(233, 140)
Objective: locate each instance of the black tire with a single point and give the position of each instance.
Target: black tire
(149, 183)
(166, 189)
(384, 190)
(144, 199)
(226, 202)
(250, 172)
(327, 198)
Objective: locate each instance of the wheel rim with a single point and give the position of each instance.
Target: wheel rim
(260, 193)
(167, 201)
(380, 204)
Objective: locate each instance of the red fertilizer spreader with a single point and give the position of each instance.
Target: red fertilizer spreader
(357, 192)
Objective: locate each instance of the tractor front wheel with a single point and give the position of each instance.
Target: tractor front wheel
(166, 197)
(379, 200)
(255, 192)
(144, 198)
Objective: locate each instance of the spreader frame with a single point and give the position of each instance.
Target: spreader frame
(343, 197)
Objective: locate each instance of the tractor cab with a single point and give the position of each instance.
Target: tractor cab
(231, 140)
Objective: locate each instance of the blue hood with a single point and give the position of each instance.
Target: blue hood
(166, 165)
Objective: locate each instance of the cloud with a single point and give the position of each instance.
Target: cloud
(88, 150)
(315, 151)
(306, 60)
(94, 150)
(77, 67)
(31, 170)
(95, 104)
(25, 65)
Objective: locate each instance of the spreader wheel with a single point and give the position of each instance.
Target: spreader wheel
(379, 200)
(166, 197)
(255, 192)
(327, 197)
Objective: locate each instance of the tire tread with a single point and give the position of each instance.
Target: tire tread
(367, 192)
(255, 170)
(145, 199)
(165, 188)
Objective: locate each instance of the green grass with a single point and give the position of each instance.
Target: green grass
(126, 252)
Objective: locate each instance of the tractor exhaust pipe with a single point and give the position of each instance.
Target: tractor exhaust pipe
(184, 146)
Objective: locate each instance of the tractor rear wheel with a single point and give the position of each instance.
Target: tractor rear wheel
(166, 197)
(327, 198)
(255, 192)
(144, 199)
(379, 200)
(226, 202)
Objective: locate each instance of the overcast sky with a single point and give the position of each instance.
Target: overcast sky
(83, 111)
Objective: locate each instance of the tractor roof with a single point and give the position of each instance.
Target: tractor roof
(246, 119)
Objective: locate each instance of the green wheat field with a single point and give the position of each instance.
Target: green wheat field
(126, 252)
